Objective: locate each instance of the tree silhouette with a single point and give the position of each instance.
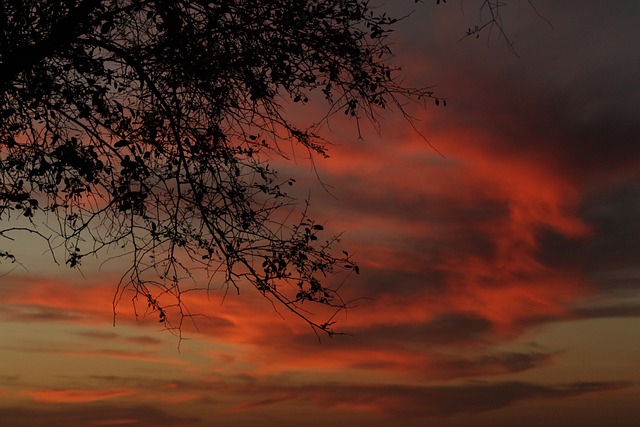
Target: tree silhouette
(146, 126)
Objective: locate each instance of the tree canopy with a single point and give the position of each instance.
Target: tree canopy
(146, 126)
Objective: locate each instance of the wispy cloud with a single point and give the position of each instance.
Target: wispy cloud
(76, 396)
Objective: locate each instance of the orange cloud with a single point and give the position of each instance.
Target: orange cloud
(119, 354)
(484, 209)
(79, 300)
(76, 396)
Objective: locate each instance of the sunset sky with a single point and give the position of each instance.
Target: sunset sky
(502, 278)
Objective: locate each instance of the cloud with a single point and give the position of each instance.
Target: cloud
(97, 414)
(117, 422)
(448, 367)
(397, 401)
(112, 336)
(487, 365)
(409, 402)
(123, 354)
(609, 310)
(261, 403)
(34, 298)
(76, 396)
(448, 328)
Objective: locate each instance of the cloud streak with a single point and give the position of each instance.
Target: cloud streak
(76, 396)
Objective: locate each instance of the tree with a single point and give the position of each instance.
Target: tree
(146, 125)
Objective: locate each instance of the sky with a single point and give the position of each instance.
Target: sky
(502, 276)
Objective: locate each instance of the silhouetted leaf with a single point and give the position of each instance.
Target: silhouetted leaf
(122, 143)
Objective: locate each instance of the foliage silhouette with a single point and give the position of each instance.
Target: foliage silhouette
(146, 126)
